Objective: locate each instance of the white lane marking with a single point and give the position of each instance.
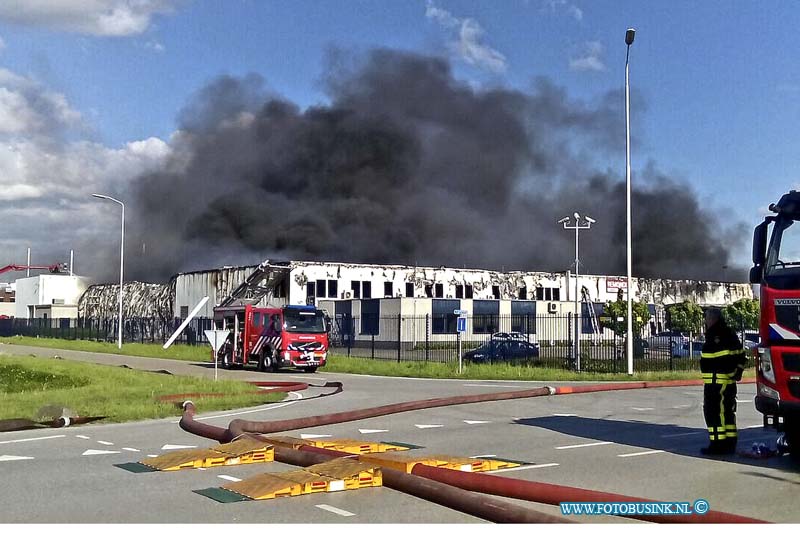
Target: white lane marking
(428, 426)
(151, 455)
(229, 478)
(482, 456)
(13, 458)
(201, 468)
(313, 436)
(564, 414)
(684, 406)
(651, 452)
(99, 452)
(177, 446)
(642, 408)
(83, 437)
(362, 431)
(237, 413)
(31, 439)
(755, 426)
(671, 435)
(745, 401)
(470, 422)
(105, 442)
(336, 510)
(499, 386)
(523, 467)
(131, 450)
(571, 446)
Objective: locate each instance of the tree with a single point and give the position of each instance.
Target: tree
(743, 314)
(686, 317)
(619, 309)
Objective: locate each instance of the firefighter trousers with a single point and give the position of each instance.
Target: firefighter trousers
(719, 406)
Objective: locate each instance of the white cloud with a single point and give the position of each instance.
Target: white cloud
(468, 42)
(28, 107)
(591, 59)
(93, 17)
(564, 6)
(2, 44)
(155, 46)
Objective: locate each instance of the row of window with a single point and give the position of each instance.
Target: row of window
(363, 289)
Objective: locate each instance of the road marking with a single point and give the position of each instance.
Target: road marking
(681, 406)
(229, 478)
(237, 413)
(482, 456)
(105, 442)
(428, 426)
(523, 467)
(470, 422)
(13, 458)
(98, 452)
(651, 452)
(745, 401)
(582, 445)
(336, 510)
(499, 386)
(362, 431)
(564, 414)
(313, 436)
(151, 455)
(755, 426)
(131, 450)
(642, 408)
(176, 446)
(83, 437)
(31, 439)
(671, 435)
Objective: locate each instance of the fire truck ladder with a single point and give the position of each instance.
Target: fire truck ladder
(260, 283)
(590, 307)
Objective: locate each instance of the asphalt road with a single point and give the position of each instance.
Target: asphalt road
(642, 443)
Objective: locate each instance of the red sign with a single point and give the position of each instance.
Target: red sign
(613, 284)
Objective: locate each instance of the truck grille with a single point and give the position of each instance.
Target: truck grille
(791, 362)
(794, 388)
(788, 316)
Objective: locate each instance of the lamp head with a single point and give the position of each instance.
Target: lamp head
(629, 35)
(590, 220)
(576, 215)
(563, 220)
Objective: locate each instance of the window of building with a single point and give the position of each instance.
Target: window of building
(540, 293)
(439, 290)
(444, 321)
(523, 293)
(523, 317)
(333, 288)
(355, 287)
(366, 289)
(280, 289)
(387, 289)
(556, 294)
(485, 316)
(311, 289)
(429, 291)
(468, 291)
(370, 317)
(459, 291)
(496, 292)
(321, 288)
(409, 290)
(184, 311)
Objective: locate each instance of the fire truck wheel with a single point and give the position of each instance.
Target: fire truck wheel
(225, 361)
(792, 427)
(265, 363)
(310, 369)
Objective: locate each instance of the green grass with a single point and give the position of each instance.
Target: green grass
(29, 383)
(355, 365)
(176, 351)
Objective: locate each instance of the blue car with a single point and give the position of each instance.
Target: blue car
(502, 347)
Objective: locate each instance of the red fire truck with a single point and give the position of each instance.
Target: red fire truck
(289, 336)
(777, 270)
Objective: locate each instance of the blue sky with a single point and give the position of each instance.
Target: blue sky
(719, 81)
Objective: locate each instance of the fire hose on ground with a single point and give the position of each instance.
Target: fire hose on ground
(463, 481)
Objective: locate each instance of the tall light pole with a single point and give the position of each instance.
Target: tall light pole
(577, 227)
(629, 35)
(121, 263)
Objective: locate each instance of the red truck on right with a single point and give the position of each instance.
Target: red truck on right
(776, 268)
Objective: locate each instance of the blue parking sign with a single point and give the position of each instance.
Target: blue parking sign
(461, 324)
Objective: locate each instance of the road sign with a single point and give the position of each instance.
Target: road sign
(462, 312)
(461, 324)
(216, 337)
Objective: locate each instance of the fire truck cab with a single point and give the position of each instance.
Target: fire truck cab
(271, 338)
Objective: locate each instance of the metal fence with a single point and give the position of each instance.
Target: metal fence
(432, 338)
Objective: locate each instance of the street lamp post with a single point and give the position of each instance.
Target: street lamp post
(121, 263)
(577, 227)
(629, 35)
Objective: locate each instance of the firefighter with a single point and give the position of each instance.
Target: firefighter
(721, 362)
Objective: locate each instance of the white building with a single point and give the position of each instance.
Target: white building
(49, 296)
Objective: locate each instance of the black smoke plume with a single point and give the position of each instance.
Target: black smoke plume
(408, 165)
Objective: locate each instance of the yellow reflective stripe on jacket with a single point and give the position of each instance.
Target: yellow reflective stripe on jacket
(709, 355)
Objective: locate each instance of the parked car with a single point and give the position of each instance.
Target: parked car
(682, 350)
(667, 339)
(504, 347)
(751, 340)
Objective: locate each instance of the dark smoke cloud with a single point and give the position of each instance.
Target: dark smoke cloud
(409, 165)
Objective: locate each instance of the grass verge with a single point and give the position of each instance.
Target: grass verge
(179, 352)
(355, 365)
(29, 383)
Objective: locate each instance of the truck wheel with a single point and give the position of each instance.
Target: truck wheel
(310, 369)
(792, 428)
(225, 361)
(265, 363)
